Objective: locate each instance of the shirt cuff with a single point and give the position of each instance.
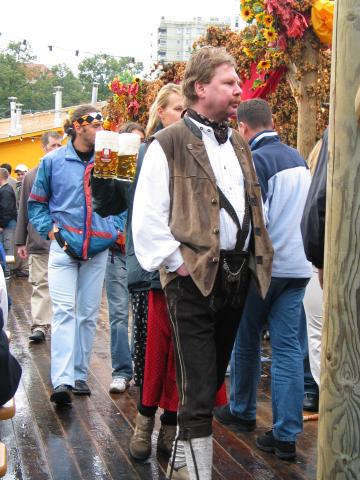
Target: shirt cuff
(173, 261)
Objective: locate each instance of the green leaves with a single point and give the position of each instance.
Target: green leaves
(33, 84)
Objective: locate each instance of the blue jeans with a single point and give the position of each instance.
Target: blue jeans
(75, 288)
(282, 309)
(118, 302)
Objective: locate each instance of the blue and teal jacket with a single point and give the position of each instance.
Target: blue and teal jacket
(61, 195)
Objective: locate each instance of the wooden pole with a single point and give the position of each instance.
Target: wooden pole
(306, 134)
(339, 424)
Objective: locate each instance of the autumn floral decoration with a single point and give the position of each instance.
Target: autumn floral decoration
(277, 22)
(124, 105)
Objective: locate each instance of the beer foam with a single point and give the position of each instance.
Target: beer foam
(129, 144)
(106, 139)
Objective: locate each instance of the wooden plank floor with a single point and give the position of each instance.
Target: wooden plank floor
(90, 439)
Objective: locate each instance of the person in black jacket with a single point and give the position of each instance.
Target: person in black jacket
(10, 370)
(313, 233)
(8, 215)
(313, 220)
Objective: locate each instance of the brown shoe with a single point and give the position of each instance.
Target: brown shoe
(165, 439)
(140, 443)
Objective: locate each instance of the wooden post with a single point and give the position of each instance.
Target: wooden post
(339, 425)
(306, 134)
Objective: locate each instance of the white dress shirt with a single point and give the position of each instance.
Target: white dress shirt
(154, 244)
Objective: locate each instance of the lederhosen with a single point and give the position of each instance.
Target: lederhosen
(204, 329)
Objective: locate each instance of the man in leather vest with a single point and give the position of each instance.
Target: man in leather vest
(198, 217)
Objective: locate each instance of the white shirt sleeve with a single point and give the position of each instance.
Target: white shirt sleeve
(3, 297)
(154, 243)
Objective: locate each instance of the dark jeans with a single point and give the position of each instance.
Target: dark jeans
(203, 340)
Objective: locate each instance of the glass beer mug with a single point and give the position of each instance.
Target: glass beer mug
(106, 154)
(128, 149)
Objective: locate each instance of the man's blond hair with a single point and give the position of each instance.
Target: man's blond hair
(201, 68)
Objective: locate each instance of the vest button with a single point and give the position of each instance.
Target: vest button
(214, 201)
(216, 230)
(215, 260)
(189, 146)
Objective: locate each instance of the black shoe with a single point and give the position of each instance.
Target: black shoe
(61, 395)
(37, 336)
(311, 402)
(81, 388)
(283, 450)
(19, 273)
(223, 415)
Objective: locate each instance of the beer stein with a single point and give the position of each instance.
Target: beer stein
(128, 149)
(106, 154)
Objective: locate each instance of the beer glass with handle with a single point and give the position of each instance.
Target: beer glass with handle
(128, 149)
(106, 154)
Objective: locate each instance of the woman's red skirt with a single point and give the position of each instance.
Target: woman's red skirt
(159, 386)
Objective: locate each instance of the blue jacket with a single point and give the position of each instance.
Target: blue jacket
(61, 194)
(284, 179)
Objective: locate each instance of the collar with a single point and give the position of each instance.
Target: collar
(253, 142)
(70, 153)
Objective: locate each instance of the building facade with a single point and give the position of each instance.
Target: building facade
(175, 38)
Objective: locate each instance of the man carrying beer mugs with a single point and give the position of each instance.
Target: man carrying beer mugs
(60, 209)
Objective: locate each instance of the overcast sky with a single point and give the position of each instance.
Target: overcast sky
(114, 27)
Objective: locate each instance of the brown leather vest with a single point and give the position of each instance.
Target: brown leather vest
(194, 207)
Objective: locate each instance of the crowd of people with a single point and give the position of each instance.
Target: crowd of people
(205, 246)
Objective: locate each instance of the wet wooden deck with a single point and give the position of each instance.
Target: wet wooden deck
(90, 439)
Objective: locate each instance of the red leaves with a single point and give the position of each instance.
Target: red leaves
(133, 108)
(293, 22)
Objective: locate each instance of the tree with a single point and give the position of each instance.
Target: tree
(33, 84)
(13, 79)
(40, 96)
(103, 68)
(21, 52)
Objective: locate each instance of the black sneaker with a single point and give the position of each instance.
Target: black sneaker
(311, 402)
(61, 395)
(81, 388)
(223, 415)
(37, 336)
(20, 274)
(283, 450)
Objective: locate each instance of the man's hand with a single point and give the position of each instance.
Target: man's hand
(51, 235)
(321, 277)
(182, 271)
(22, 252)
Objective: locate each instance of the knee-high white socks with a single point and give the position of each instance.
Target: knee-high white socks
(202, 449)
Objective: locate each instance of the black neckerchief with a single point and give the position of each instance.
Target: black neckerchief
(221, 130)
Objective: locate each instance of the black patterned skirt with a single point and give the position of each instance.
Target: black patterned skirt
(139, 305)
